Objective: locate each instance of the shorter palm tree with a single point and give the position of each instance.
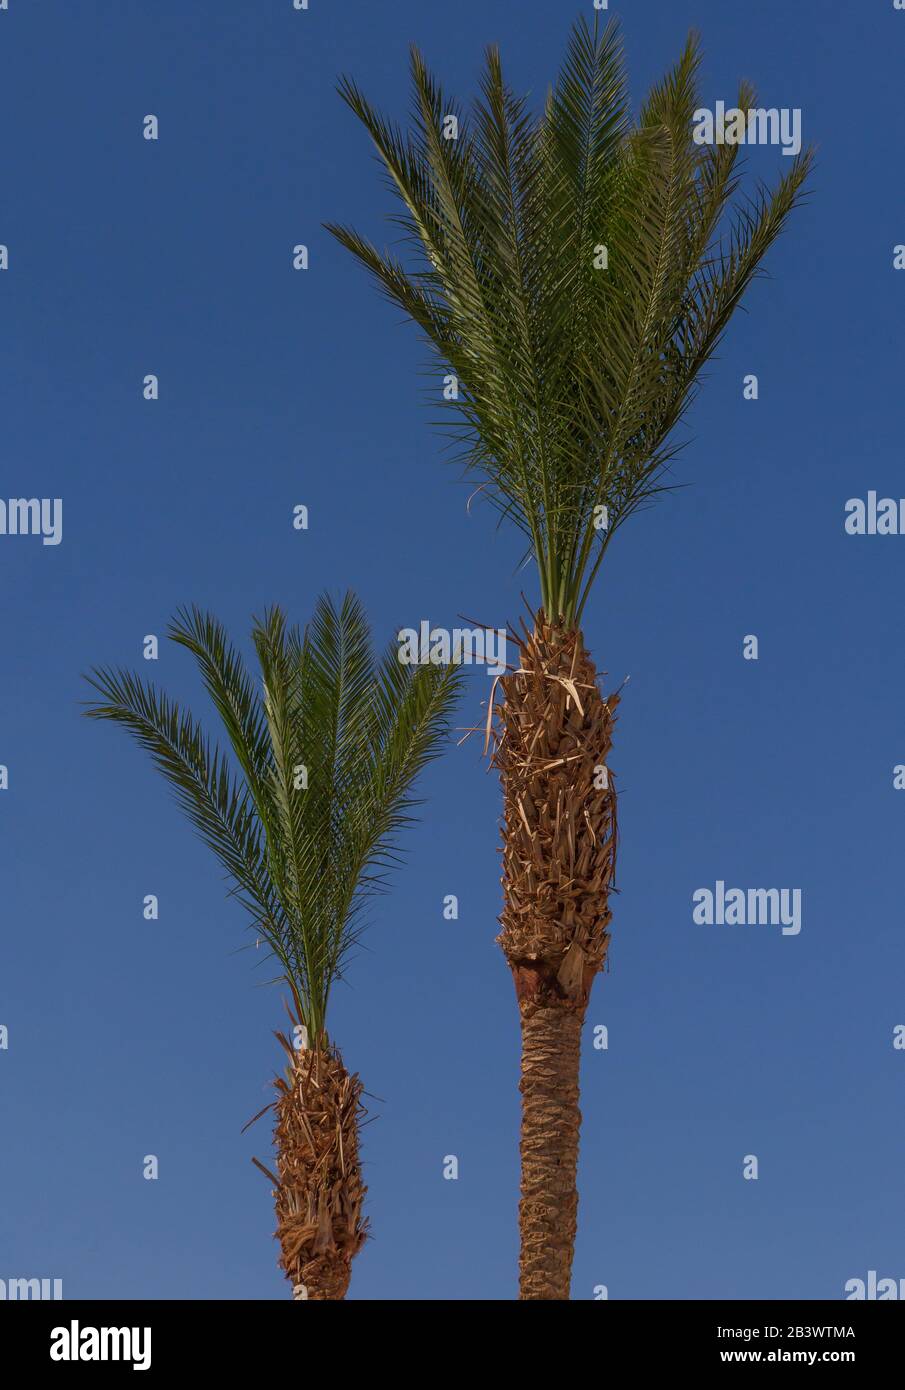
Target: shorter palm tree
(305, 826)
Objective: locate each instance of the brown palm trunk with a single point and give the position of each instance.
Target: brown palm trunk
(320, 1193)
(558, 863)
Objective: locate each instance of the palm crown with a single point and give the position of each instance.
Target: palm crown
(575, 269)
(327, 752)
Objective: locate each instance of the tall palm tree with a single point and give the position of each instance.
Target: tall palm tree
(304, 819)
(574, 269)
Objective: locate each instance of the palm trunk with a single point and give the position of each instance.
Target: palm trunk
(548, 1212)
(320, 1193)
(558, 864)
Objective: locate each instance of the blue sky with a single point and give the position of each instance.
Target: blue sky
(128, 1037)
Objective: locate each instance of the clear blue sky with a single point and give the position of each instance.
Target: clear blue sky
(277, 387)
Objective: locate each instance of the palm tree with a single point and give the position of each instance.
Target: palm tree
(574, 269)
(305, 826)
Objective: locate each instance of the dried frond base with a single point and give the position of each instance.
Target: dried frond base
(559, 850)
(320, 1196)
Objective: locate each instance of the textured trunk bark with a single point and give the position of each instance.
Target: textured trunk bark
(559, 854)
(320, 1193)
(548, 1212)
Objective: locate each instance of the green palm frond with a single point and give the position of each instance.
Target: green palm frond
(206, 789)
(235, 698)
(326, 749)
(571, 377)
